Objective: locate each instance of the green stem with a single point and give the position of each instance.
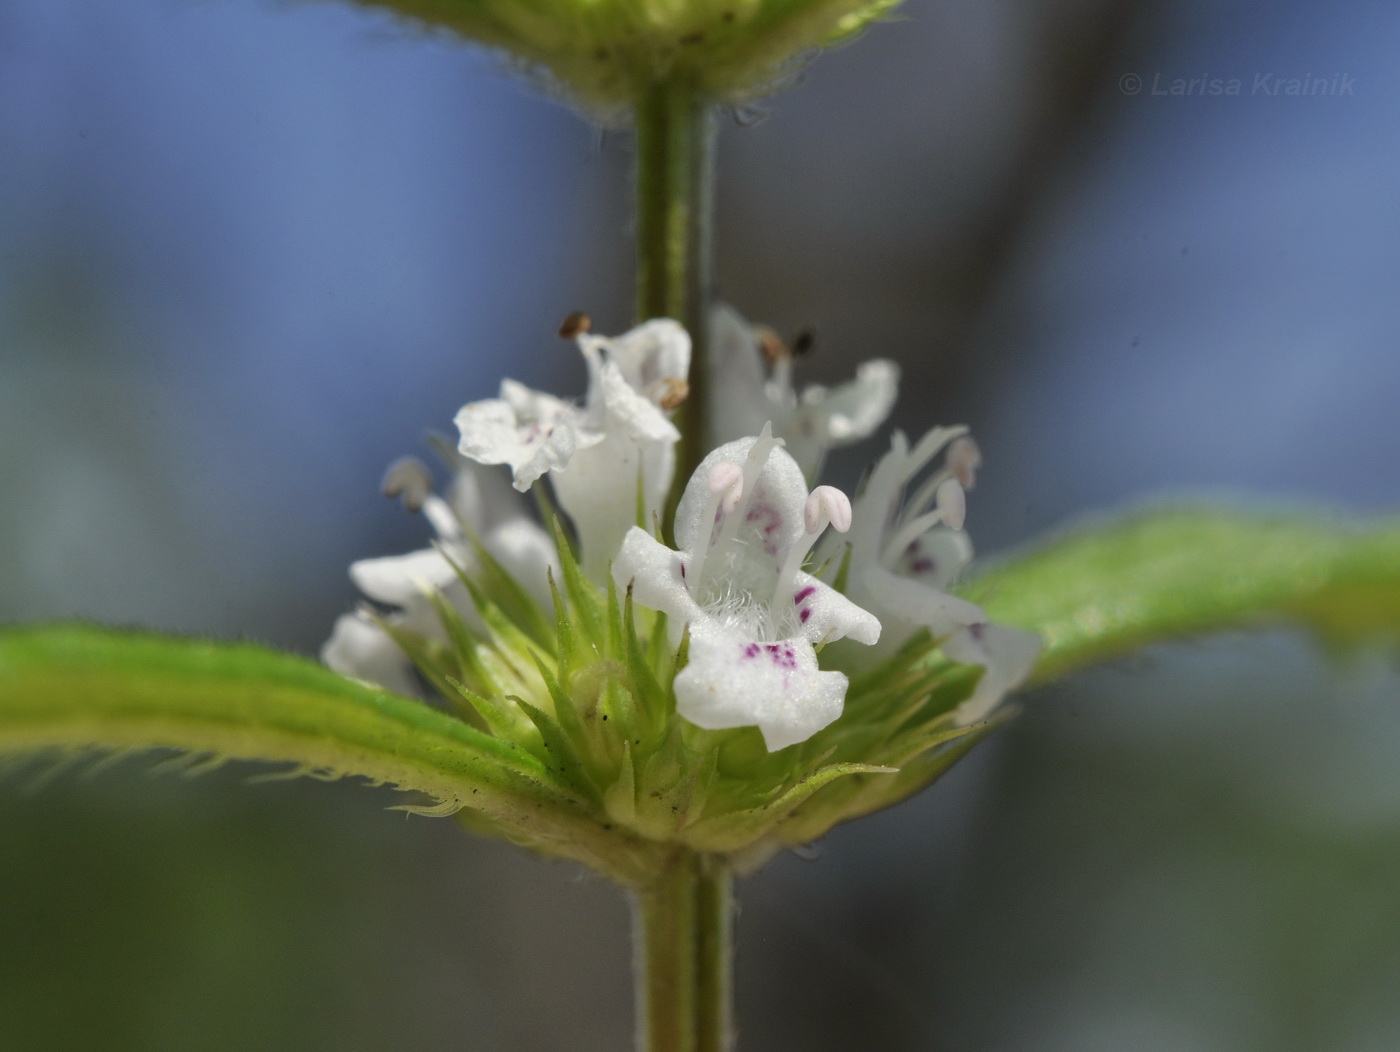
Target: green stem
(675, 223)
(683, 921)
(682, 930)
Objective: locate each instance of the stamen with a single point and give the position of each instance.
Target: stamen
(409, 479)
(575, 325)
(951, 503)
(961, 463)
(826, 506)
(771, 344)
(881, 494)
(928, 446)
(725, 485)
(963, 460)
(753, 467)
(950, 510)
(926, 494)
(907, 534)
(727, 481)
(670, 392)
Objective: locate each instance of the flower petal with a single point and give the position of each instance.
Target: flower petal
(1007, 654)
(824, 615)
(738, 399)
(599, 492)
(360, 648)
(531, 431)
(856, 408)
(899, 598)
(527, 553)
(774, 497)
(731, 681)
(400, 580)
(649, 355)
(480, 495)
(631, 413)
(656, 575)
(936, 558)
(830, 417)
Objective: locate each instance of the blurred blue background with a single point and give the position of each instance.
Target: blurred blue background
(251, 252)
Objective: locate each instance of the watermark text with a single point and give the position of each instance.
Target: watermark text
(1268, 83)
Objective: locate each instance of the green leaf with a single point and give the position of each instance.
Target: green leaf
(1168, 573)
(76, 687)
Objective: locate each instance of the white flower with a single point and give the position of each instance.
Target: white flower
(744, 395)
(596, 454)
(905, 553)
(478, 500)
(744, 525)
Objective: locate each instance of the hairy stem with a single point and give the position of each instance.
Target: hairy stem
(682, 930)
(675, 222)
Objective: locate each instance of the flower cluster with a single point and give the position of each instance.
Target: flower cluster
(780, 658)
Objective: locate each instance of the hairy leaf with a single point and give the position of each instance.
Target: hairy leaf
(1109, 588)
(75, 687)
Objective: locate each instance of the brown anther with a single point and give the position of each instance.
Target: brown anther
(673, 392)
(574, 325)
(803, 343)
(772, 345)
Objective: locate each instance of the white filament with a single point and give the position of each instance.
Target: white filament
(951, 502)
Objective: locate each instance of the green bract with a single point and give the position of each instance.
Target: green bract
(605, 53)
(588, 695)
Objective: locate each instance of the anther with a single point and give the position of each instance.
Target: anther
(727, 482)
(803, 342)
(827, 505)
(752, 469)
(409, 479)
(576, 324)
(963, 460)
(673, 391)
(772, 346)
(726, 486)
